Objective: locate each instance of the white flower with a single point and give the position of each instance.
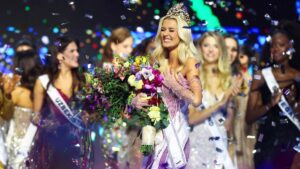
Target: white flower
(147, 74)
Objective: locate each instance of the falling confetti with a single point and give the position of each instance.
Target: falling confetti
(267, 17)
(123, 17)
(89, 16)
(72, 4)
(274, 22)
(245, 22)
(64, 23)
(55, 14)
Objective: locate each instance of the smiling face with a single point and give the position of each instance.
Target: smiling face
(210, 50)
(69, 57)
(169, 34)
(232, 49)
(280, 44)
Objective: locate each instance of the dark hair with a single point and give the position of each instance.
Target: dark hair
(250, 53)
(25, 42)
(52, 62)
(141, 48)
(247, 50)
(27, 64)
(291, 30)
(235, 65)
(118, 35)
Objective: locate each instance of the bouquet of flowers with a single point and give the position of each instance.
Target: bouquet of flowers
(103, 94)
(148, 81)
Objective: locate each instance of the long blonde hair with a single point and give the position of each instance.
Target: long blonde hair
(186, 47)
(224, 68)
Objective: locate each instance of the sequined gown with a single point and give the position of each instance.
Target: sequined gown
(204, 153)
(178, 116)
(58, 145)
(276, 135)
(244, 134)
(17, 130)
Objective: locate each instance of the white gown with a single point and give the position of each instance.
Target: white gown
(17, 130)
(207, 142)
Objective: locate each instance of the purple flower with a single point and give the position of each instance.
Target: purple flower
(132, 68)
(129, 109)
(149, 86)
(138, 76)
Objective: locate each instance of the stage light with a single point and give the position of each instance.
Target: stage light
(55, 30)
(45, 40)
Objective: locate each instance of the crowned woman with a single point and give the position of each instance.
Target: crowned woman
(176, 56)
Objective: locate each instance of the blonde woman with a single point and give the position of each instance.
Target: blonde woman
(176, 56)
(211, 121)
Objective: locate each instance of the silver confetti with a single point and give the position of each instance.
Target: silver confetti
(260, 137)
(88, 16)
(274, 22)
(55, 14)
(250, 137)
(123, 17)
(268, 38)
(267, 17)
(210, 3)
(246, 22)
(72, 4)
(64, 23)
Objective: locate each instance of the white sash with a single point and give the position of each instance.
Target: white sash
(27, 139)
(224, 156)
(61, 104)
(3, 153)
(283, 104)
(175, 138)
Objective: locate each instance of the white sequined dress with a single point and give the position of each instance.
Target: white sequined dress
(17, 130)
(205, 152)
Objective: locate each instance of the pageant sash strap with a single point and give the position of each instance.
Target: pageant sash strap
(3, 153)
(173, 140)
(25, 145)
(61, 104)
(225, 157)
(283, 104)
(27, 140)
(174, 144)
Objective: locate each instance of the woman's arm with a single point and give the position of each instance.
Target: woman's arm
(196, 116)
(194, 81)
(193, 95)
(255, 107)
(38, 99)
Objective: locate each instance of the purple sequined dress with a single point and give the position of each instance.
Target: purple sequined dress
(58, 145)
